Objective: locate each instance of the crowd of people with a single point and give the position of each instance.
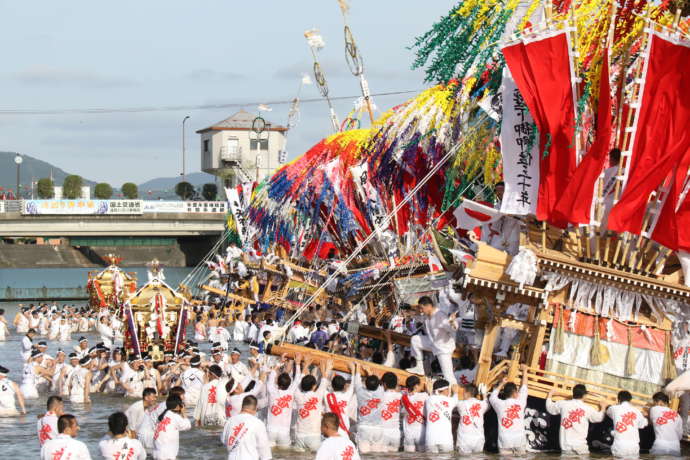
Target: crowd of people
(264, 402)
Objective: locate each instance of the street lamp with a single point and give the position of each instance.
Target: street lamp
(183, 148)
(18, 159)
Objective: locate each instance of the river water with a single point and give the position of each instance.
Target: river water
(18, 437)
(65, 283)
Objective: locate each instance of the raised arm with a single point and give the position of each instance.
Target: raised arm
(493, 397)
(551, 407)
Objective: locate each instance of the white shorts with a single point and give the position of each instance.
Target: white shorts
(470, 445)
(665, 448)
(628, 451)
(308, 442)
(279, 438)
(512, 450)
(575, 450)
(515, 443)
(369, 437)
(391, 440)
(413, 439)
(436, 448)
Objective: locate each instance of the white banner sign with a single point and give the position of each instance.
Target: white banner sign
(81, 207)
(165, 206)
(520, 162)
(206, 207)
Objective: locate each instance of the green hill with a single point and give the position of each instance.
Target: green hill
(31, 168)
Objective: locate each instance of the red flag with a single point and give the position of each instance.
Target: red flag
(576, 203)
(541, 68)
(323, 247)
(675, 212)
(662, 131)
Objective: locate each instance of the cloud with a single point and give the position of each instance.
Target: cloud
(210, 75)
(57, 76)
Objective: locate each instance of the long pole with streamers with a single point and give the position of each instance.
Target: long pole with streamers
(354, 60)
(316, 43)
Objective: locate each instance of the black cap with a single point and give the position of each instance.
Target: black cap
(35, 353)
(83, 339)
(85, 360)
(195, 362)
(73, 356)
(4, 370)
(235, 350)
(42, 343)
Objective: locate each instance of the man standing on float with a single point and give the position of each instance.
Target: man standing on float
(440, 329)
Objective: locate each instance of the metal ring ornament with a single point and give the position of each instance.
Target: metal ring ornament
(352, 56)
(258, 125)
(320, 79)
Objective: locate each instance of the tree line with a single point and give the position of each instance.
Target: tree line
(72, 190)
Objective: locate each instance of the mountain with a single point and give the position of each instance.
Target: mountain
(31, 168)
(168, 183)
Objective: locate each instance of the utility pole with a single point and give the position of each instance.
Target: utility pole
(18, 159)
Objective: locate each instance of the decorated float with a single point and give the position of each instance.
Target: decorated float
(544, 179)
(156, 316)
(110, 287)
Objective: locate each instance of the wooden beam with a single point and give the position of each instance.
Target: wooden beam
(515, 324)
(340, 362)
(396, 337)
(487, 351)
(229, 296)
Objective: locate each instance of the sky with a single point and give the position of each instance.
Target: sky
(83, 54)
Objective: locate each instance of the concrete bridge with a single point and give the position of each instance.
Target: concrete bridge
(16, 224)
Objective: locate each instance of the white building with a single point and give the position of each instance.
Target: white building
(229, 148)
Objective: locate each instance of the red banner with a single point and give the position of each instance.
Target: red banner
(576, 203)
(662, 132)
(541, 68)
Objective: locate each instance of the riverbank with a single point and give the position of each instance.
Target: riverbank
(171, 252)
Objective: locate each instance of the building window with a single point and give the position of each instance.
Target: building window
(206, 145)
(263, 144)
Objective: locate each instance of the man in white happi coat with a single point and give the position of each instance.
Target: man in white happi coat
(575, 419)
(244, 435)
(64, 445)
(440, 331)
